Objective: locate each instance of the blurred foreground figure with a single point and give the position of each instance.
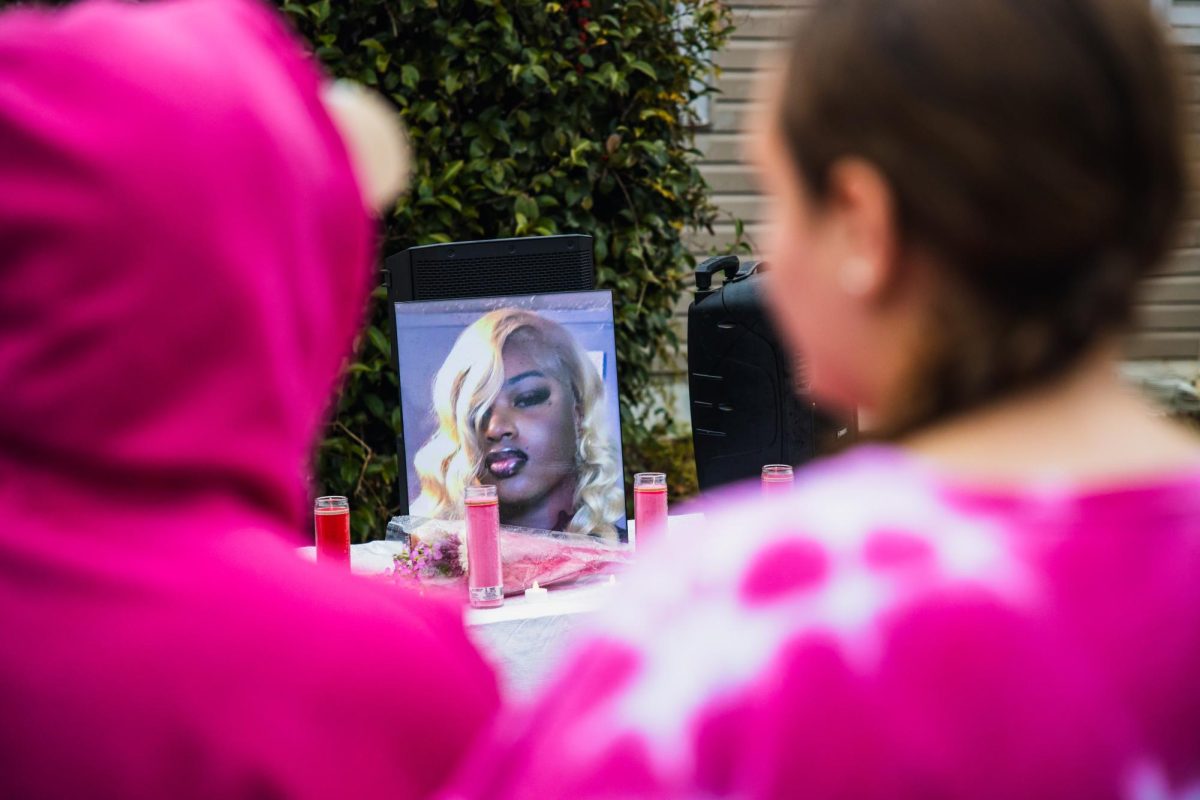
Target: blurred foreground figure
(1001, 598)
(185, 256)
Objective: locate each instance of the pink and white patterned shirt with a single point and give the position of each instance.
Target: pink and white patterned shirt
(884, 632)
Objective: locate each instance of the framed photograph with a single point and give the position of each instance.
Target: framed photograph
(519, 392)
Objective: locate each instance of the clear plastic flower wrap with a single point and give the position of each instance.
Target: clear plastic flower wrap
(436, 556)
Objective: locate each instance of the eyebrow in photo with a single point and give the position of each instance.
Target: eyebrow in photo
(533, 373)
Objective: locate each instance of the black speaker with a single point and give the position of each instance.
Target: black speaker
(748, 404)
(489, 268)
(492, 268)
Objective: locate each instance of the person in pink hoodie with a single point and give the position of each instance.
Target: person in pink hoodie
(186, 249)
(1000, 596)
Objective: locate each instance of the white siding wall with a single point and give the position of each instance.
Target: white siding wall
(1170, 310)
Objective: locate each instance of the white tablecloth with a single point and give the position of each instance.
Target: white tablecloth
(522, 638)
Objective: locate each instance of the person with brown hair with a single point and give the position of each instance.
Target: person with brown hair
(1000, 597)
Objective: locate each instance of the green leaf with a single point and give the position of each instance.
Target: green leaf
(380, 341)
(642, 66)
(452, 171)
(410, 76)
(376, 406)
(527, 206)
(428, 112)
(452, 202)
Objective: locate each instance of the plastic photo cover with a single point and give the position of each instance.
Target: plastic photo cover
(519, 392)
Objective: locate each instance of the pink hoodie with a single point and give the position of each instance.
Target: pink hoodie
(184, 262)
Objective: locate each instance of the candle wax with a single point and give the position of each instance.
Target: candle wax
(649, 514)
(777, 486)
(333, 536)
(485, 578)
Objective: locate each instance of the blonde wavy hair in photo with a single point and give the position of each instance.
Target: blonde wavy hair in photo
(466, 387)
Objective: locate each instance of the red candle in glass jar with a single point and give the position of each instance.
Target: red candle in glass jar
(331, 517)
(649, 506)
(485, 579)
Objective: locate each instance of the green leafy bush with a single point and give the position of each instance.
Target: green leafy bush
(661, 444)
(528, 117)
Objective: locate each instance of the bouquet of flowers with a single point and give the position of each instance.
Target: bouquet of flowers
(436, 555)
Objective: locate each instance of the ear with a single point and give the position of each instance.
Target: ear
(862, 200)
(374, 139)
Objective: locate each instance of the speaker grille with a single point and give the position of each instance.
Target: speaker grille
(448, 278)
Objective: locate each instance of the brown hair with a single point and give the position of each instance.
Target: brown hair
(1033, 147)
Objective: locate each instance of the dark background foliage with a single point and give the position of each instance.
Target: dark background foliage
(530, 118)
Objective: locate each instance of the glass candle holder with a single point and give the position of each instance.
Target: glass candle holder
(649, 506)
(331, 518)
(485, 579)
(777, 479)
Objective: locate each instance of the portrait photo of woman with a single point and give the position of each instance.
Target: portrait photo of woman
(519, 403)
